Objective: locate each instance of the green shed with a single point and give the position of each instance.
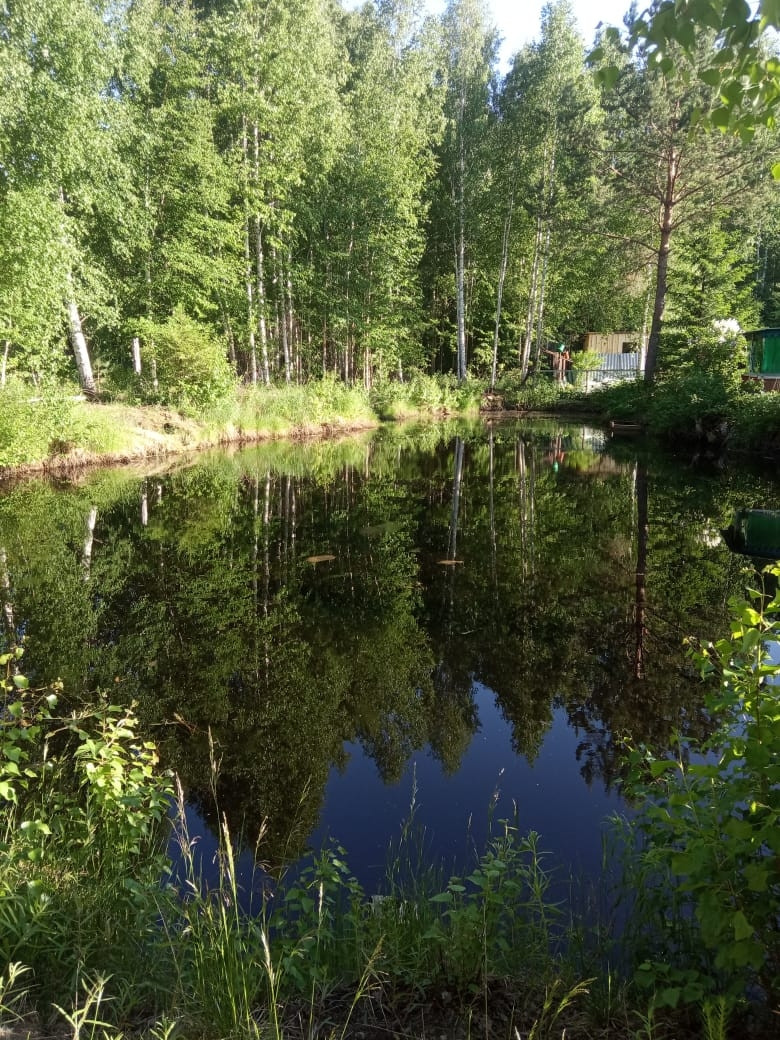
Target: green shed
(755, 532)
(764, 357)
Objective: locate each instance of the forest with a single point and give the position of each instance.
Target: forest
(198, 193)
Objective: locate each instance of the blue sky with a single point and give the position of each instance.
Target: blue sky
(518, 21)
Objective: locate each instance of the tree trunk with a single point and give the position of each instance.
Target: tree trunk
(525, 349)
(260, 281)
(4, 362)
(288, 308)
(8, 607)
(500, 287)
(641, 570)
(79, 344)
(662, 265)
(460, 303)
(281, 315)
(457, 479)
(89, 539)
(250, 301)
(542, 293)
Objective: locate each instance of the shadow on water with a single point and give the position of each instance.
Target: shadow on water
(488, 609)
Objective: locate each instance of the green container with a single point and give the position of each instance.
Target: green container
(756, 532)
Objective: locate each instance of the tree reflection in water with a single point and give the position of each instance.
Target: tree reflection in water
(290, 602)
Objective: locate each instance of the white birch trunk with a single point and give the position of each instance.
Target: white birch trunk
(78, 343)
(288, 307)
(136, 355)
(457, 479)
(262, 327)
(259, 264)
(460, 303)
(500, 288)
(525, 349)
(8, 607)
(540, 310)
(249, 288)
(89, 539)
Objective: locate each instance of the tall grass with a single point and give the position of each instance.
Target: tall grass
(426, 395)
(59, 427)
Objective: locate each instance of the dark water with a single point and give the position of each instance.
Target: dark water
(468, 617)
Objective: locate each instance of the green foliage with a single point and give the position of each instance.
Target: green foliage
(79, 853)
(586, 360)
(33, 425)
(623, 401)
(691, 404)
(540, 394)
(426, 395)
(740, 68)
(191, 366)
(496, 920)
(710, 823)
(756, 420)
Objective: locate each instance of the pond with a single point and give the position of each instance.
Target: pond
(460, 620)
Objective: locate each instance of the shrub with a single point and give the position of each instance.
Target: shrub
(709, 898)
(80, 863)
(426, 395)
(34, 424)
(690, 404)
(191, 366)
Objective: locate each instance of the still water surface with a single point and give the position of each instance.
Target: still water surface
(468, 616)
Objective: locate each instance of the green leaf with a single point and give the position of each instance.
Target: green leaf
(757, 876)
(742, 927)
(442, 897)
(608, 76)
(710, 76)
(661, 766)
(21, 682)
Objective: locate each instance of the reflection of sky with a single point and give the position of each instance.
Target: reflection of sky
(774, 653)
(363, 815)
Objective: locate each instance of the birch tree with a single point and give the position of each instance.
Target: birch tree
(469, 46)
(56, 58)
(550, 106)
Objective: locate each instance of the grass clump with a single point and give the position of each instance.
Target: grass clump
(35, 425)
(426, 395)
(542, 394)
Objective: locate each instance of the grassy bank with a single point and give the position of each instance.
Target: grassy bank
(58, 429)
(101, 937)
(699, 409)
